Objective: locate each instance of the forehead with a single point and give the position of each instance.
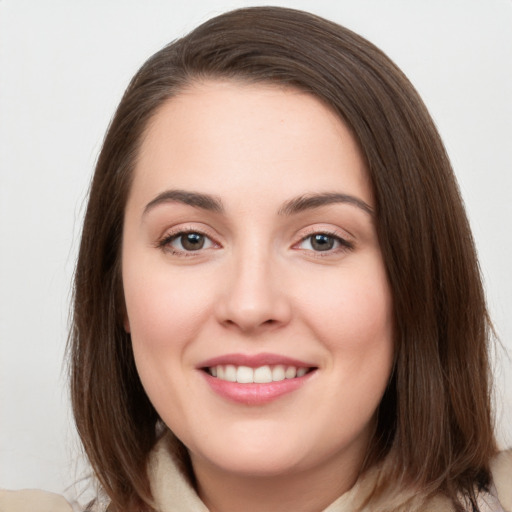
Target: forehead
(219, 133)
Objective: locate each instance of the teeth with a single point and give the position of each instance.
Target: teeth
(230, 373)
(244, 375)
(260, 375)
(263, 374)
(278, 373)
(290, 372)
(301, 372)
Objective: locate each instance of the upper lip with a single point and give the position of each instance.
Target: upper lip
(254, 361)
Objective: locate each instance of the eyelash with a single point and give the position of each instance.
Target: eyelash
(344, 245)
(165, 243)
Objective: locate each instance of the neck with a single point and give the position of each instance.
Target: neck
(311, 490)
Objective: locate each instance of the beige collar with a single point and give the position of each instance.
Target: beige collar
(173, 492)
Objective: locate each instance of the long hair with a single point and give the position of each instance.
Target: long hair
(435, 418)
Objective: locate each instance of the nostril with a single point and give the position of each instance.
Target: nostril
(246, 323)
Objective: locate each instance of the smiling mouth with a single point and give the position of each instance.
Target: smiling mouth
(261, 375)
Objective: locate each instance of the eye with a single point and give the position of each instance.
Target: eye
(188, 241)
(323, 242)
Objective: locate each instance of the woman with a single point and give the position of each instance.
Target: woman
(277, 299)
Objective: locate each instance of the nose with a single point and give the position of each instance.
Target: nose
(253, 298)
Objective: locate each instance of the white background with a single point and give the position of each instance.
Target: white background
(63, 67)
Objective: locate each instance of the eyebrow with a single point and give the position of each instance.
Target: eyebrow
(195, 199)
(291, 207)
(312, 201)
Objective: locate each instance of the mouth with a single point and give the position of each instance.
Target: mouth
(264, 374)
(255, 379)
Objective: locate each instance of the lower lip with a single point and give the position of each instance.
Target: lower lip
(255, 394)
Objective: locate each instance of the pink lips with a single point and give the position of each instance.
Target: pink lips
(254, 393)
(254, 361)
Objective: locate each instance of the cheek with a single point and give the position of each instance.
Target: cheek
(165, 313)
(355, 323)
(164, 308)
(353, 313)
(353, 319)
(167, 309)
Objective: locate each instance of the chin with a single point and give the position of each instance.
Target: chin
(246, 463)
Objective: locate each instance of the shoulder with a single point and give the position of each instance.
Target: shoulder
(499, 499)
(33, 501)
(501, 468)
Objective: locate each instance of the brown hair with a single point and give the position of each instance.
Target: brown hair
(435, 416)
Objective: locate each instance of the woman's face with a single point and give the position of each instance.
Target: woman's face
(257, 299)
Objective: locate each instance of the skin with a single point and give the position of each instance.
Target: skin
(258, 285)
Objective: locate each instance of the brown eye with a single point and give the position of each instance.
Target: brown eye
(186, 241)
(325, 242)
(322, 242)
(192, 241)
